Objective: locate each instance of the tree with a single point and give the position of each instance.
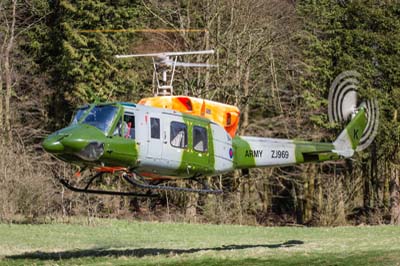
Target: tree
(362, 36)
(82, 63)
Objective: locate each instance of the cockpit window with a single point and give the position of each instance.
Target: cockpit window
(126, 127)
(78, 115)
(129, 126)
(101, 117)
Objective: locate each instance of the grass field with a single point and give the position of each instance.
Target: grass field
(117, 242)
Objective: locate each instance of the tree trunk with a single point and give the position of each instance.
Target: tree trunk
(319, 189)
(207, 76)
(8, 73)
(246, 88)
(298, 192)
(309, 194)
(1, 99)
(2, 92)
(394, 195)
(191, 207)
(374, 177)
(367, 189)
(386, 188)
(263, 194)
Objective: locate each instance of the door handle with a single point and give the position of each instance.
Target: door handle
(165, 137)
(188, 168)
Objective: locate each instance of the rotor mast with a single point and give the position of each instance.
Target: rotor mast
(165, 87)
(165, 65)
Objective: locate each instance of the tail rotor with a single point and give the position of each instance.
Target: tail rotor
(343, 102)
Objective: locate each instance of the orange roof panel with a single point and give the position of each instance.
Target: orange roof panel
(223, 114)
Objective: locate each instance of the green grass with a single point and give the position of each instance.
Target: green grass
(117, 242)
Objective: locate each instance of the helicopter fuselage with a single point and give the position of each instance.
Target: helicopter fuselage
(163, 143)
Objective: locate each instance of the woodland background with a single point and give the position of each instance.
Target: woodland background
(276, 61)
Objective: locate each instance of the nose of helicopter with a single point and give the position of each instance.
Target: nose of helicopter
(52, 144)
(72, 140)
(83, 141)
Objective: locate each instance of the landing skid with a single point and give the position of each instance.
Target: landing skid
(133, 180)
(136, 181)
(66, 183)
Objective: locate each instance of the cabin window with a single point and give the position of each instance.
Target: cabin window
(200, 141)
(178, 135)
(155, 128)
(129, 126)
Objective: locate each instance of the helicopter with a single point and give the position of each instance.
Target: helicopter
(178, 137)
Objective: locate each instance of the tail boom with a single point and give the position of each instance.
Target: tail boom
(267, 152)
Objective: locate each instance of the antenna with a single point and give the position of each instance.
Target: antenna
(161, 62)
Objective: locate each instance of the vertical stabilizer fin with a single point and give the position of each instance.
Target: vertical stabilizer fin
(350, 137)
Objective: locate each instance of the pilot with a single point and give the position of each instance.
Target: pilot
(127, 129)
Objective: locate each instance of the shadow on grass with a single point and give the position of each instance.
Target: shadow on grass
(140, 252)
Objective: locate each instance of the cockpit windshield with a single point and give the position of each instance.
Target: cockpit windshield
(78, 115)
(101, 116)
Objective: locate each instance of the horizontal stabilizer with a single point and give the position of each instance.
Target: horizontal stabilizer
(315, 154)
(344, 153)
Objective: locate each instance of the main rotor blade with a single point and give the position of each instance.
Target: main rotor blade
(160, 55)
(140, 30)
(189, 52)
(165, 54)
(182, 64)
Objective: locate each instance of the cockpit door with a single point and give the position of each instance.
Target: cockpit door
(121, 147)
